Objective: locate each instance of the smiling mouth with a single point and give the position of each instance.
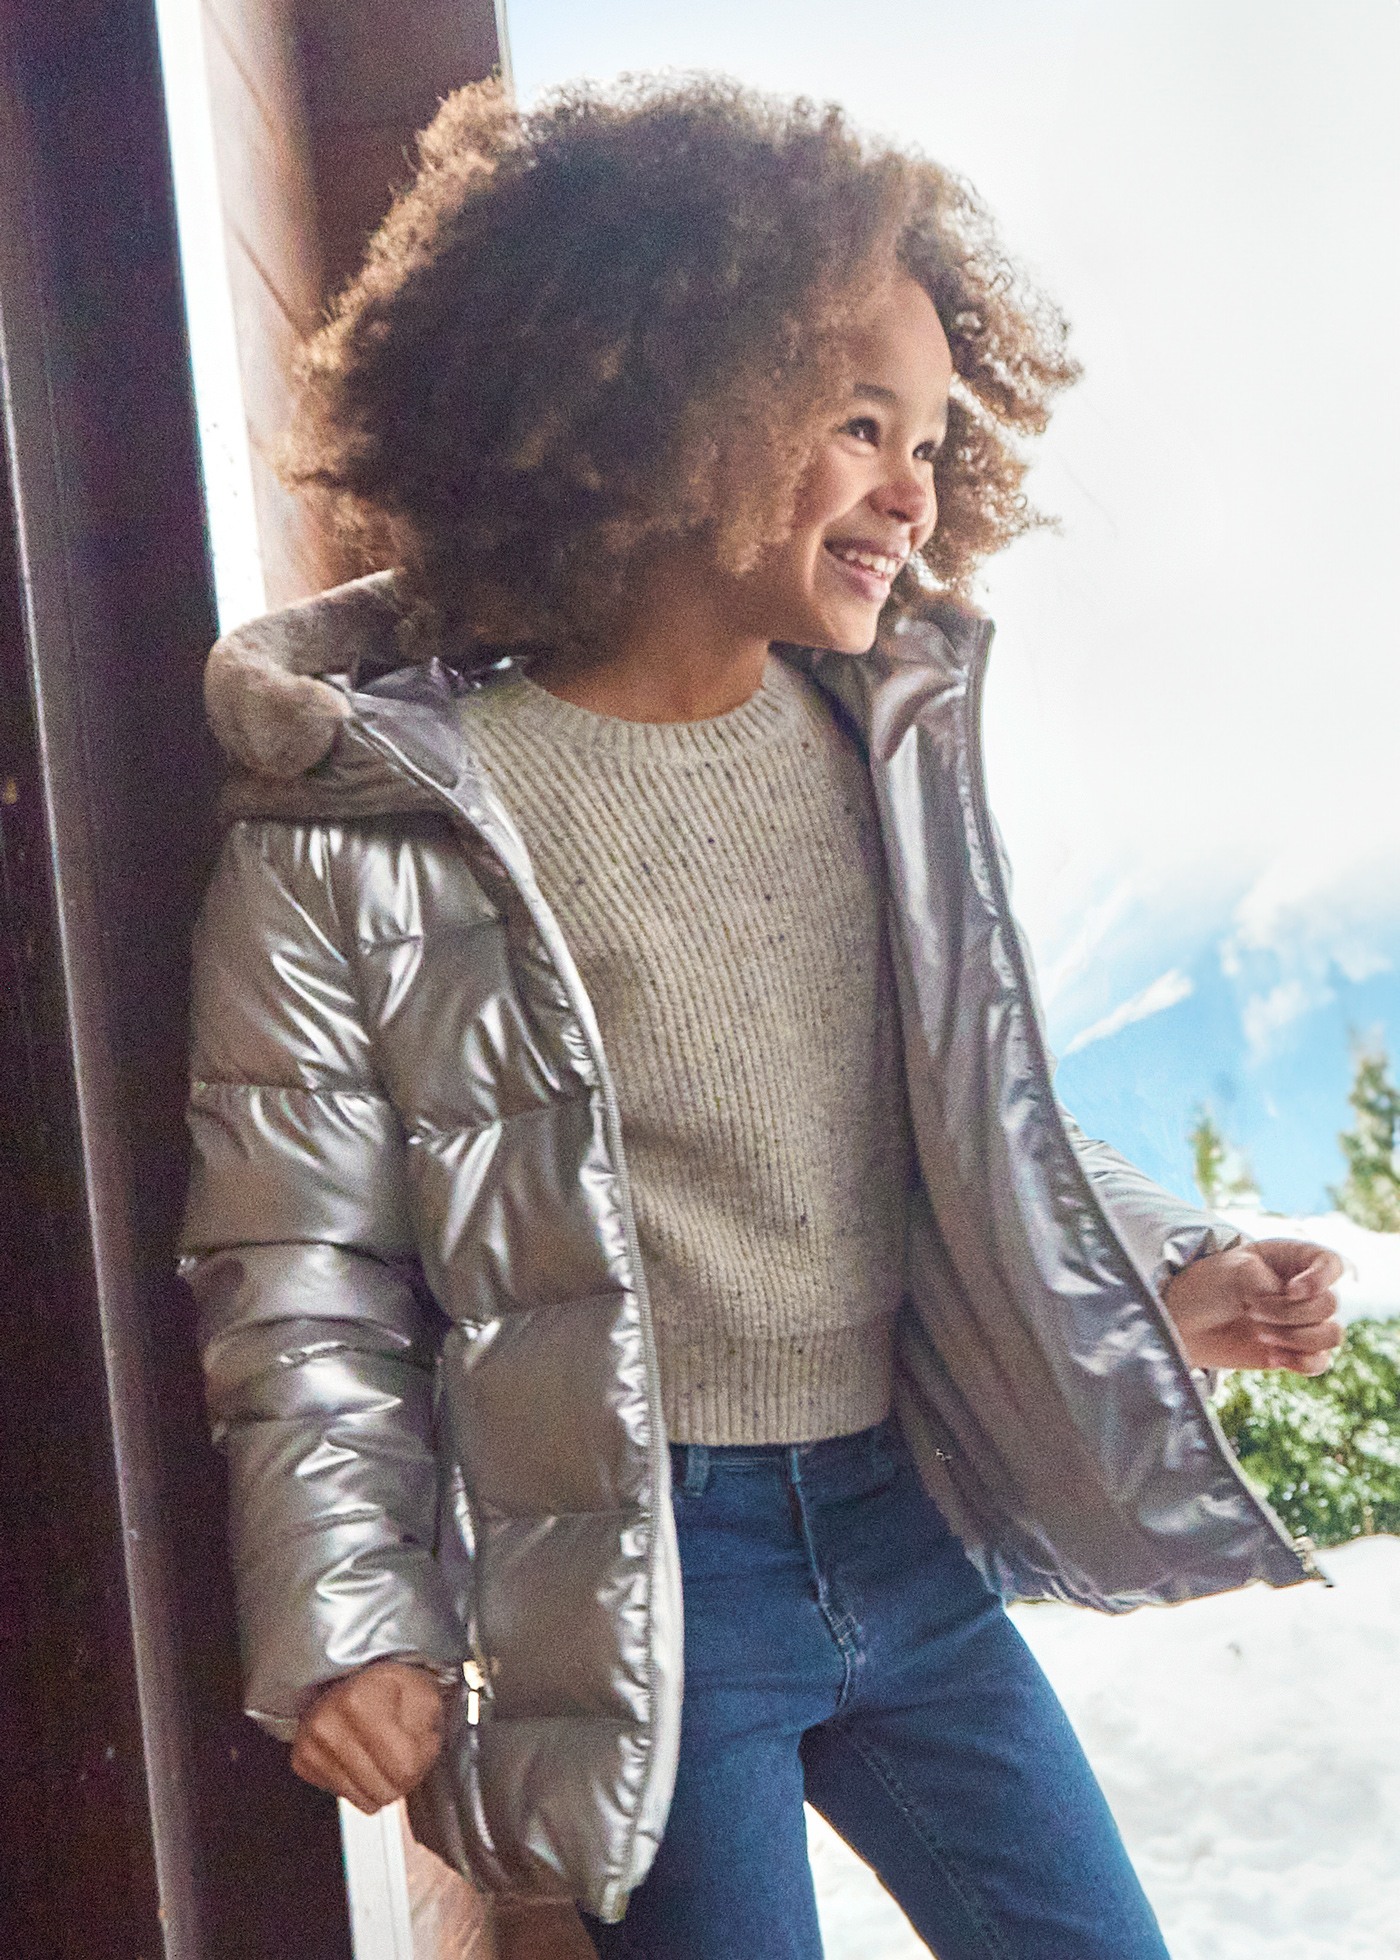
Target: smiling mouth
(871, 572)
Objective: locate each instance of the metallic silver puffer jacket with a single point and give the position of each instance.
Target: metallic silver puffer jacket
(423, 1313)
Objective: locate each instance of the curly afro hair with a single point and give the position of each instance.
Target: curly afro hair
(621, 319)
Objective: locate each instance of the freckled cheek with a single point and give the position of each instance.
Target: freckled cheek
(829, 490)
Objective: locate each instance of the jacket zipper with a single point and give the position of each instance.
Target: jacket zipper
(478, 1683)
(1301, 1549)
(478, 1686)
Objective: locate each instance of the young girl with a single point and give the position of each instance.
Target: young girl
(653, 1303)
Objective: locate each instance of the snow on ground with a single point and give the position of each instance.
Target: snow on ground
(860, 1921)
(1250, 1747)
(1371, 1283)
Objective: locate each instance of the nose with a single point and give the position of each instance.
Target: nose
(907, 497)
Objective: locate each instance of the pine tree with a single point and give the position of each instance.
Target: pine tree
(1370, 1191)
(1325, 1449)
(1222, 1173)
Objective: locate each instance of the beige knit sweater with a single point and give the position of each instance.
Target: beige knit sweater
(721, 886)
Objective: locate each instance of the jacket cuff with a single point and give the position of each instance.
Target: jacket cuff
(1192, 1242)
(1182, 1250)
(283, 1727)
(318, 1606)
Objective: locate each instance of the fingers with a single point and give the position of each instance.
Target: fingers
(372, 1736)
(345, 1769)
(1298, 1322)
(1306, 1364)
(1297, 1267)
(1301, 1349)
(1294, 1308)
(1294, 1344)
(1248, 1342)
(1267, 1305)
(1285, 1312)
(1317, 1277)
(1246, 1276)
(369, 1772)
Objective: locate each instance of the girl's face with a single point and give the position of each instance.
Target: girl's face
(867, 501)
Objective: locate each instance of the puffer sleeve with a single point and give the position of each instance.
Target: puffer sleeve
(1163, 1232)
(319, 1341)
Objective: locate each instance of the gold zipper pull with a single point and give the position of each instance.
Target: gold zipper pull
(474, 1674)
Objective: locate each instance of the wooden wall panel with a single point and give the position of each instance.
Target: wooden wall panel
(264, 177)
(315, 105)
(272, 242)
(258, 34)
(297, 558)
(368, 92)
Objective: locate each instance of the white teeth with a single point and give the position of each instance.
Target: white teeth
(872, 561)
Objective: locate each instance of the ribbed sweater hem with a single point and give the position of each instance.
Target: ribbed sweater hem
(795, 1389)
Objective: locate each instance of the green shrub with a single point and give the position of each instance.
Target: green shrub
(1325, 1449)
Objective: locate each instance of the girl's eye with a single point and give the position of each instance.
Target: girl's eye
(865, 428)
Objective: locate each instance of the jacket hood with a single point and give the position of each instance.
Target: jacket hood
(283, 694)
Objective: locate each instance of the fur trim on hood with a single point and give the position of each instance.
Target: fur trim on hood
(268, 710)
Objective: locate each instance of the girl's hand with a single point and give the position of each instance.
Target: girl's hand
(373, 1736)
(1267, 1305)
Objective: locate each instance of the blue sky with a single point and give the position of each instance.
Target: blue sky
(1193, 708)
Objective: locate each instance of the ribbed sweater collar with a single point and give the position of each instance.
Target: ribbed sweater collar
(773, 711)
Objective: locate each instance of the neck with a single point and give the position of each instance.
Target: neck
(679, 655)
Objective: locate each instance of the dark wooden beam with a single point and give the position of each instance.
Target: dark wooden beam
(142, 1814)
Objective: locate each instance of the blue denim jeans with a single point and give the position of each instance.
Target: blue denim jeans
(840, 1647)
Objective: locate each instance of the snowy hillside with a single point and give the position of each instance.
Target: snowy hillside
(1250, 1747)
